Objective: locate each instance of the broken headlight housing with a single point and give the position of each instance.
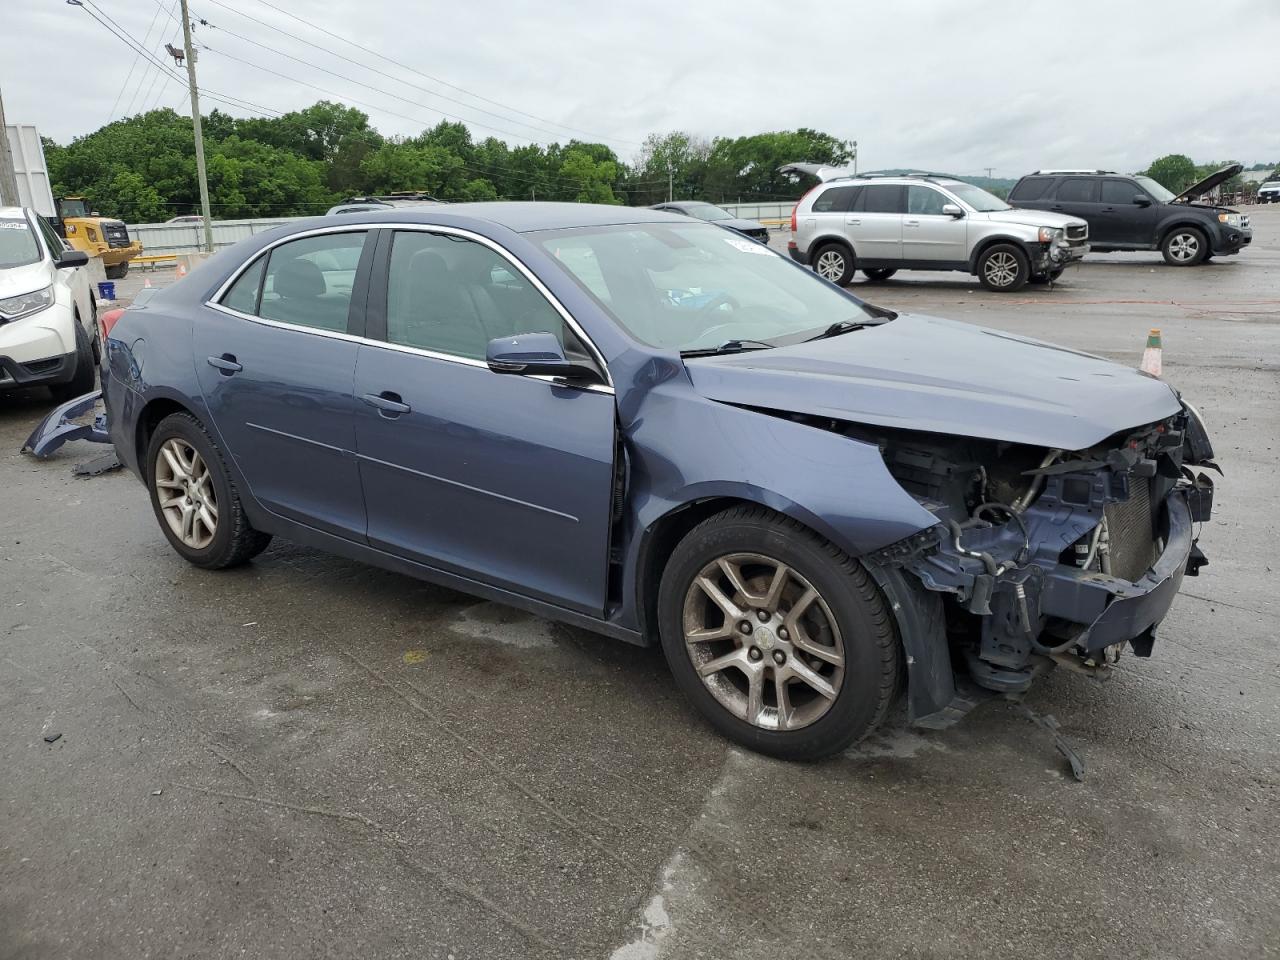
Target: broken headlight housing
(25, 304)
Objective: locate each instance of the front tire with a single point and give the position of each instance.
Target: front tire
(880, 274)
(195, 499)
(117, 272)
(1003, 268)
(780, 640)
(834, 262)
(1184, 247)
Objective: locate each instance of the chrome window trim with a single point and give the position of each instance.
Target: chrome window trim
(225, 286)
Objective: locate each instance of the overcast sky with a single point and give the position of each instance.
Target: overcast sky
(953, 86)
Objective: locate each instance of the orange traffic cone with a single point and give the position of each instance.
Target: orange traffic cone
(146, 282)
(182, 269)
(1151, 355)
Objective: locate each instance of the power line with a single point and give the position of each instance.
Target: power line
(427, 76)
(381, 73)
(133, 66)
(124, 37)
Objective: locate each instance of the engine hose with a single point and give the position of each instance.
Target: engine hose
(1037, 481)
(1017, 518)
(988, 561)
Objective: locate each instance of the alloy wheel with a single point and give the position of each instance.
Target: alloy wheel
(1184, 247)
(1001, 269)
(184, 488)
(830, 265)
(764, 641)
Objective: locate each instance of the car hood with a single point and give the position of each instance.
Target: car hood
(1202, 187)
(924, 373)
(739, 224)
(1030, 218)
(24, 279)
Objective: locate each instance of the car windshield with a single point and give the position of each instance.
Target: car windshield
(17, 243)
(708, 211)
(1155, 189)
(695, 287)
(977, 198)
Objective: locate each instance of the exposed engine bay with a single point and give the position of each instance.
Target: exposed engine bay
(1047, 555)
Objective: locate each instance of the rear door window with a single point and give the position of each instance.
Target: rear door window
(1078, 190)
(305, 282)
(880, 198)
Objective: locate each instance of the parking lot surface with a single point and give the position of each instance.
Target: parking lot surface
(306, 757)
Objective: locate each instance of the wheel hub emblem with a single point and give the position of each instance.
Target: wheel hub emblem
(764, 638)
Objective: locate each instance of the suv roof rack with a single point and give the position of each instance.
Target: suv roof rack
(914, 175)
(1039, 173)
(386, 197)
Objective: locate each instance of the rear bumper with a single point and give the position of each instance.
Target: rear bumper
(794, 252)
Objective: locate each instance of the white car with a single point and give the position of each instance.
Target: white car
(48, 315)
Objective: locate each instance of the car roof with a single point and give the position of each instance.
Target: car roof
(13, 212)
(523, 216)
(1077, 173)
(941, 179)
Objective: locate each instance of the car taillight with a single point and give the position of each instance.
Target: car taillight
(108, 320)
(797, 206)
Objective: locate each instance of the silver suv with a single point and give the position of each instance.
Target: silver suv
(882, 224)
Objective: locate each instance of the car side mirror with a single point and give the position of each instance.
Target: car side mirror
(71, 258)
(535, 355)
(1142, 200)
(952, 210)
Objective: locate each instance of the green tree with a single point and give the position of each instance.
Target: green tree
(1174, 172)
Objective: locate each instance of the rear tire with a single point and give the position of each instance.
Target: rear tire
(822, 684)
(1184, 247)
(1003, 268)
(82, 380)
(195, 499)
(117, 272)
(880, 274)
(834, 262)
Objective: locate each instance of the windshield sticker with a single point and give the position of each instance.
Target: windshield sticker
(748, 246)
(14, 225)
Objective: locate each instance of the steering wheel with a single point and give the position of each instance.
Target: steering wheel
(707, 338)
(720, 300)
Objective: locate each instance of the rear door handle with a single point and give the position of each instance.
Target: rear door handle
(389, 404)
(852, 222)
(226, 363)
(911, 223)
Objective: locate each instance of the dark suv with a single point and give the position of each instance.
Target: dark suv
(1137, 213)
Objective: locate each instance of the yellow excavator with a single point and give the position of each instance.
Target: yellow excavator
(97, 236)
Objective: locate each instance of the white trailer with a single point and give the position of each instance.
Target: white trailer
(34, 188)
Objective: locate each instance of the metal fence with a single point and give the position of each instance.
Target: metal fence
(764, 212)
(176, 238)
(159, 239)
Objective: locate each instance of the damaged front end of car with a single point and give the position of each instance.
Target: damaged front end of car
(1051, 556)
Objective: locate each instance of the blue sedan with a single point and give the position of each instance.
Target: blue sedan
(647, 426)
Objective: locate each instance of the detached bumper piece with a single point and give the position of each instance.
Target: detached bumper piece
(74, 420)
(1091, 565)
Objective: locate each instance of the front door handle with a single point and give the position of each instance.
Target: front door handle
(226, 363)
(389, 404)
(852, 222)
(911, 223)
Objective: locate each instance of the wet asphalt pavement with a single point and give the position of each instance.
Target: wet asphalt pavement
(306, 757)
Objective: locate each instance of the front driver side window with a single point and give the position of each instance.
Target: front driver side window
(451, 295)
(924, 201)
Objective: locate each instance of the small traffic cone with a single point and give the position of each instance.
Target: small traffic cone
(146, 283)
(182, 269)
(1151, 355)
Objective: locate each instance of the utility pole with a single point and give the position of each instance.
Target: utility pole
(988, 169)
(855, 158)
(671, 179)
(8, 177)
(195, 122)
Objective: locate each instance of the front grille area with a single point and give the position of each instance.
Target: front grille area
(116, 234)
(1077, 231)
(1131, 531)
